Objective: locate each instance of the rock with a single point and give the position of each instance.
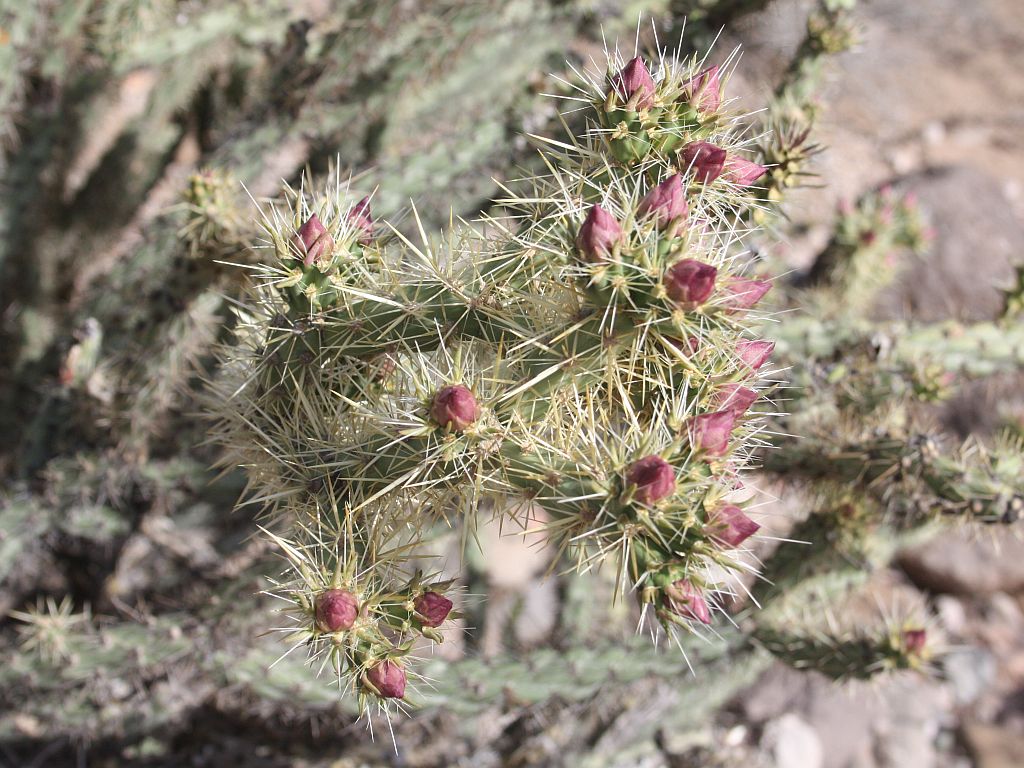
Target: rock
(793, 743)
(971, 214)
(993, 746)
(842, 719)
(970, 672)
(956, 562)
(908, 722)
(537, 613)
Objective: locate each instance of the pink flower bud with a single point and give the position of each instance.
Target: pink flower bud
(690, 282)
(706, 160)
(454, 407)
(635, 84)
(742, 172)
(754, 354)
(598, 235)
(361, 218)
(432, 608)
(914, 640)
(388, 677)
(653, 477)
(336, 610)
(745, 292)
(684, 599)
(730, 526)
(313, 241)
(667, 201)
(703, 91)
(710, 432)
(735, 398)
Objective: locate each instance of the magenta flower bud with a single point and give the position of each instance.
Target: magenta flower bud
(598, 235)
(361, 218)
(635, 84)
(730, 526)
(684, 599)
(710, 432)
(388, 677)
(706, 160)
(742, 172)
(336, 610)
(745, 292)
(703, 91)
(313, 241)
(914, 640)
(690, 282)
(653, 477)
(454, 407)
(735, 398)
(667, 202)
(432, 608)
(754, 354)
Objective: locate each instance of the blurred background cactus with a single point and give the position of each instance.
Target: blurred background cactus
(221, 419)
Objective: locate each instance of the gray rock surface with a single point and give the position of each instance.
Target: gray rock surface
(966, 563)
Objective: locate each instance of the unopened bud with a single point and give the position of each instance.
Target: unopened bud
(336, 610)
(690, 282)
(454, 407)
(653, 477)
(745, 292)
(703, 91)
(735, 397)
(388, 678)
(685, 599)
(313, 241)
(667, 202)
(710, 432)
(598, 235)
(635, 84)
(914, 640)
(742, 172)
(730, 526)
(432, 608)
(753, 353)
(361, 219)
(706, 160)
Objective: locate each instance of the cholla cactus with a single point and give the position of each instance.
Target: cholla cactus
(593, 356)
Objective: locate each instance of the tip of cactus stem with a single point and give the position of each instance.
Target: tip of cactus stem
(753, 353)
(387, 679)
(710, 432)
(313, 241)
(735, 397)
(653, 479)
(598, 235)
(336, 610)
(703, 91)
(685, 599)
(742, 172)
(432, 608)
(690, 282)
(731, 527)
(361, 218)
(635, 84)
(705, 160)
(745, 292)
(666, 202)
(454, 407)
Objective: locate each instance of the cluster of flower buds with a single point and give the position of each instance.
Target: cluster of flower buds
(366, 633)
(316, 253)
(672, 116)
